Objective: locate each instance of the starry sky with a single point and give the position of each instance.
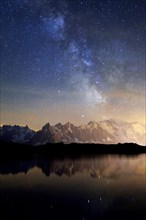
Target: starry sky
(72, 60)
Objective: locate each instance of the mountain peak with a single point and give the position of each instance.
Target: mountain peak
(116, 122)
(92, 122)
(46, 126)
(110, 131)
(58, 125)
(68, 123)
(16, 133)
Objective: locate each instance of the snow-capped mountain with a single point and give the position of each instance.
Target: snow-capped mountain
(106, 132)
(16, 134)
(48, 134)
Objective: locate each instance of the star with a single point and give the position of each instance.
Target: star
(85, 56)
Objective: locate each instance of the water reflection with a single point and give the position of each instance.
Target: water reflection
(111, 166)
(82, 188)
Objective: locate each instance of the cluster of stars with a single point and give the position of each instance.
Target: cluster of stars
(85, 50)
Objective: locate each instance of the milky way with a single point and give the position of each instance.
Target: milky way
(72, 61)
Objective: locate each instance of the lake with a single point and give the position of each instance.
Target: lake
(85, 188)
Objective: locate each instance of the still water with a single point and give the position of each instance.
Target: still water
(102, 187)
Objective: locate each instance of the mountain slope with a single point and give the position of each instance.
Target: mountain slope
(16, 134)
(106, 132)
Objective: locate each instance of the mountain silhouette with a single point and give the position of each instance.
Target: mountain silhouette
(103, 132)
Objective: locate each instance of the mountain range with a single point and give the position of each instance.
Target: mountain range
(110, 131)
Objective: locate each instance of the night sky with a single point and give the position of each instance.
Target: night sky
(72, 60)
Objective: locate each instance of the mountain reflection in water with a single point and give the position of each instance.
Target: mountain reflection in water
(101, 187)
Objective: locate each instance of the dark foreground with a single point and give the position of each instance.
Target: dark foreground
(72, 150)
